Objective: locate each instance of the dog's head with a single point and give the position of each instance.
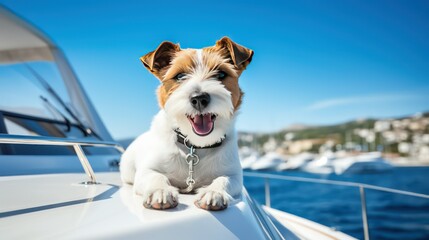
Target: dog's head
(199, 88)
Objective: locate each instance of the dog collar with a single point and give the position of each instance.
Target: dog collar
(184, 140)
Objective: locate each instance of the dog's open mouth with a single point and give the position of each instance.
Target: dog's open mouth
(202, 124)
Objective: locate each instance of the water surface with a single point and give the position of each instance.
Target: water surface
(390, 216)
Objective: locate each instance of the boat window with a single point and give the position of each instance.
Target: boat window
(29, 88)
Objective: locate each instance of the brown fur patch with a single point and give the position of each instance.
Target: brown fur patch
(182, 62)
(158, 61)
(239, 55)
(217, 59)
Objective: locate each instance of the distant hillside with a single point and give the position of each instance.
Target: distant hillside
(340, 134)
(338, 131)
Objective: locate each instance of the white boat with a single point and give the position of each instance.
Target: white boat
(270, 161)
(296, 162)
(248, 156)
(320, 165)
(362, 163)
(51, 144)
(247, 162)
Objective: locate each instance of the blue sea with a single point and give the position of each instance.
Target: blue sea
(390, 216)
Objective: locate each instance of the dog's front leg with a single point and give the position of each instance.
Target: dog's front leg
(218, 194)
(156, 190)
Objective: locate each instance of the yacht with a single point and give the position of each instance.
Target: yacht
(248, 156)
(270, 161)
(324, 164)
(297, 161)
(371, 162)
(328, 163)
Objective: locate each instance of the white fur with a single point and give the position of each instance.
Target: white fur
(155, 163)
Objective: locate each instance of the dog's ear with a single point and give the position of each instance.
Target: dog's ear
(157, 60)
(240, 55)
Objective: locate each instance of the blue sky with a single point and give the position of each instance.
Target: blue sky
(315, 62)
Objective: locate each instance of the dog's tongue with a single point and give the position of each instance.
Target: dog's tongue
(202, 124)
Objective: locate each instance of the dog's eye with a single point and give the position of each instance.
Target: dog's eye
(180, 76)
(221, 75)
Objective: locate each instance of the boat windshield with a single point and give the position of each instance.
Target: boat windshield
(34, 101)
(29, 88)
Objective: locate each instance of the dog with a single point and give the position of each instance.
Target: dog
(191, 146)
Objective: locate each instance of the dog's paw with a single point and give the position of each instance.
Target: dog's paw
(212, 200)
(160, 199)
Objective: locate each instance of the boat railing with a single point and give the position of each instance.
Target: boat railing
(53, 141)
(361, 186)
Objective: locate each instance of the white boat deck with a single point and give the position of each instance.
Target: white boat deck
(57, 207)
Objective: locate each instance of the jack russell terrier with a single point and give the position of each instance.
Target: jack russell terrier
(191, 145)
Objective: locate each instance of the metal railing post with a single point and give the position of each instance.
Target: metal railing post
(267, 193)
(364, 215)
(85, 164)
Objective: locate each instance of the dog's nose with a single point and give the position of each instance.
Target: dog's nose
(200, 100)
